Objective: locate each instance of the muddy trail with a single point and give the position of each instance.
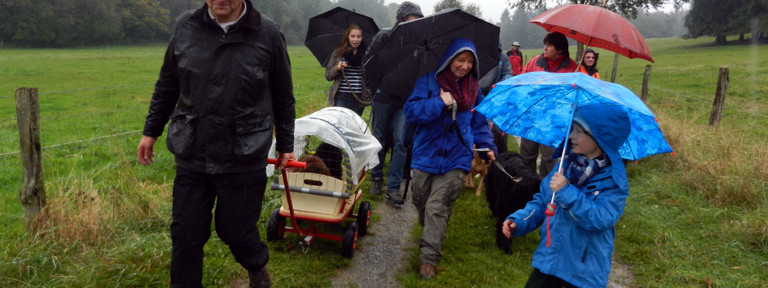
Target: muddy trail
(383, 252)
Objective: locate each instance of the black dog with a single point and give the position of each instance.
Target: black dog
(508, 189)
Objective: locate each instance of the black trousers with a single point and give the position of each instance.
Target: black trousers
(541, 280)
(237, 198)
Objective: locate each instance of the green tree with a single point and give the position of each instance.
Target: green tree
(627, 8)
(710, 18)
(21, 21)
(529, 35)
(292, 15)
(177, 7)
(507, 33)
(660, 24)
(458, 4)
(473, 9)
(445, 4)
(371, 8)
(750, 17)
(144, 20)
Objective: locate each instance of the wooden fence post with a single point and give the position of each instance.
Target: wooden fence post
(32, 195)
(647, 77)
(615, 67)
(717, 105)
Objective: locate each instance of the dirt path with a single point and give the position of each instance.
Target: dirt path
(382, 253)
(620, 276)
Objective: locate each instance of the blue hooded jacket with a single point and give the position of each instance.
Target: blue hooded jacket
(582, 229)
(437, 149)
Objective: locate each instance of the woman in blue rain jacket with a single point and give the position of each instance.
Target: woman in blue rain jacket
(446, 129)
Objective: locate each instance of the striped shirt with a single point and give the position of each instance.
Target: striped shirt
(355, 77)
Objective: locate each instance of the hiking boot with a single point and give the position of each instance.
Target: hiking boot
(394, 198)
(260, 279)
(427, 271)
(376, 186)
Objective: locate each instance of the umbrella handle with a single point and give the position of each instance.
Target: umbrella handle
(559, 169)
(562, 156)
(453, 108)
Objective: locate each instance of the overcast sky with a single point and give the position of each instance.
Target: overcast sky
(491, 9)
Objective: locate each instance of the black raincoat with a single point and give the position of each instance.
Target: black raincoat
(224, 92)
(383, 95)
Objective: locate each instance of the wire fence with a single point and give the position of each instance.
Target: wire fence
(88, 122)
(85, 130)
(705, 101)
(87, 89)
(104, 115)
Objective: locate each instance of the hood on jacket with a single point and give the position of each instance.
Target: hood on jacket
(610, 127)
(457, 46)
(407, 8)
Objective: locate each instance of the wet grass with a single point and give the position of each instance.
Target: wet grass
(692, 219)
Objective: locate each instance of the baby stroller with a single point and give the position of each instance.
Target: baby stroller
(342, 140)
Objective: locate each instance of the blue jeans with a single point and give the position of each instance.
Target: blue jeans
(383, 115)
(346, 100)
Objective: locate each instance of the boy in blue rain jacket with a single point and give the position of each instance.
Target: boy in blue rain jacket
(577, 244)
(446, 130)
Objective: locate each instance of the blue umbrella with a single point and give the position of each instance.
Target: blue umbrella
(539, 106)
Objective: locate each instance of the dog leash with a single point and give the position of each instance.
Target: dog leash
(516, 179)
(344, 76)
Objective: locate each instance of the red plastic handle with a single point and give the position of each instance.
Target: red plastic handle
(550, 209)
(291, 163)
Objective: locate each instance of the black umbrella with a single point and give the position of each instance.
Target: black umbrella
(414, 48)
(326, 30)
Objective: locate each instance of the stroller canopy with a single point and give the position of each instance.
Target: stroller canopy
(341, 128)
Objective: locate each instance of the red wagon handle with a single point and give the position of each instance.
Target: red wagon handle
(291, 163)
(297, 164)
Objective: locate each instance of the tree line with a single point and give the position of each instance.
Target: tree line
(66, 23)
(515, 27)
(72, 23)
(733, 17)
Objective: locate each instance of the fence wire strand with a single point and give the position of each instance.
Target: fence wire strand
(683, 95)
(86, 89)
(78, 141)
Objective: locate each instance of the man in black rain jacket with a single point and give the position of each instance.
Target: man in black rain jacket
(225, 84)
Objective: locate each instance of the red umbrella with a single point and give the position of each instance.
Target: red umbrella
(597, 27)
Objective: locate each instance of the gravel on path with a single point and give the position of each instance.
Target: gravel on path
(383, 252)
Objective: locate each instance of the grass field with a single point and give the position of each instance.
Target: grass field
(696, 219)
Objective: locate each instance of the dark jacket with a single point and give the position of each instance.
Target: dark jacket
(331, 74)
(501, 72)
(396, 99)
(223, 93)
(437, 148)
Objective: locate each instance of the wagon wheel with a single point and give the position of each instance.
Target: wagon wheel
(349, 242)
(363, 218)
(275, 226)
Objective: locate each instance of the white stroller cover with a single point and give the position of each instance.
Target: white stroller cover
(340, 127)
